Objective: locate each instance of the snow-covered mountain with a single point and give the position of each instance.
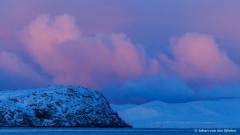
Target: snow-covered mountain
(223, 113)
(57, 106)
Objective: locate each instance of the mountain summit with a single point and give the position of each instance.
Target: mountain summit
(57, 106)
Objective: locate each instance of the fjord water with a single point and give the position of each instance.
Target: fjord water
(92, 131)
(101, 131)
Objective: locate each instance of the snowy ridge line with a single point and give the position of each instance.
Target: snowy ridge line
(19, 92)
(197, 114)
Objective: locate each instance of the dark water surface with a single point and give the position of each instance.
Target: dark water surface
(113, 131)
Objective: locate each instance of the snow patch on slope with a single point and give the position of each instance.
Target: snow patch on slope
(206, 114)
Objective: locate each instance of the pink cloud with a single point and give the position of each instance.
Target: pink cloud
(58, 46)
(71, 58)
(11, 63)
(198, 57)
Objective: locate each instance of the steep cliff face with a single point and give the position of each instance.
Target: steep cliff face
(57, 106)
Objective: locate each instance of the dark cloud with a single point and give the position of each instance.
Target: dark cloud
(169, 89)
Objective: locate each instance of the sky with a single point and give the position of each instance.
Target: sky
(132, 51)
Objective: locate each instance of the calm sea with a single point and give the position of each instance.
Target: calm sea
(113, 131)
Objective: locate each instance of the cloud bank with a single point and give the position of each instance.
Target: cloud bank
(53, 50)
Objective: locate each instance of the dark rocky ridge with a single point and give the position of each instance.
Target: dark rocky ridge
(57, 106)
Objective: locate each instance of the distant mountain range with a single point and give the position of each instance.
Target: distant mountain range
(223, 113)
(57, 106)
